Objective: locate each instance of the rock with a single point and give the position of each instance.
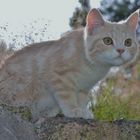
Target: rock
(60, 128)
(13, 127)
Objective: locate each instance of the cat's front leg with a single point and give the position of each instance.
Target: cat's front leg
(71, 103)
(84, 97)
(72, 110)
(68, 105)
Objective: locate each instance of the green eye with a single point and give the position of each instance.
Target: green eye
(128, 42)
(108, 41)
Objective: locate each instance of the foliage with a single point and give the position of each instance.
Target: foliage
(23, 111)
(112, 107)
(79, 16)
(117, 10)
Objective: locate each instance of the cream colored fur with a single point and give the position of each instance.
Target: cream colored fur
(55, 76)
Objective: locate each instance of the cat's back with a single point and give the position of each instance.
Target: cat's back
(49, 53)
(67, 39)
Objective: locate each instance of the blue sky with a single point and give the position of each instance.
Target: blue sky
(55, 12)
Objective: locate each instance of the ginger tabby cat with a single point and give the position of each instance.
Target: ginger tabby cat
(55, 76)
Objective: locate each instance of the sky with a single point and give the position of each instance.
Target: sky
(54, 14)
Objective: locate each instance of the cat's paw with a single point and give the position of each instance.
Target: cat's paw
(77, 112)
(87, 114)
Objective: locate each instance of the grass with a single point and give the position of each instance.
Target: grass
(112, 107)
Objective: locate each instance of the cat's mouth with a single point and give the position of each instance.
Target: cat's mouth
(118, 55)
(117, 61)
(120, 60)
(124, 58)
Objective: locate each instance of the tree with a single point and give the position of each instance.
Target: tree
(114, 10)
(117, 10)
(79, 16)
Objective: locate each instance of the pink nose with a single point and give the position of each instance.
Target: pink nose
(120, 51)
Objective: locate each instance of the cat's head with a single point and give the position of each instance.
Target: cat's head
(110, 43)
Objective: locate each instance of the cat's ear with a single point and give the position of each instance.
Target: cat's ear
(94, 20)
(133, 19)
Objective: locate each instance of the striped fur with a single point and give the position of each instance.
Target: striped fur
(55, 76)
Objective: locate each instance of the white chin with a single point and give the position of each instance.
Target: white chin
(120, 61)
(116, 62)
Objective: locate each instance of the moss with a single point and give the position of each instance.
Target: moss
(23, 111)
(75, 132)
(137, 127)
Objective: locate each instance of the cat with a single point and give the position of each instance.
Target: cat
(54, 77)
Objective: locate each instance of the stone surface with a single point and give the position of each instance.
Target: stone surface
(60, 128)
(13, 127)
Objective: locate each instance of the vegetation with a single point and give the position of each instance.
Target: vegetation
(117, 10)
(23, 111)
(112, 107)
(79, 15)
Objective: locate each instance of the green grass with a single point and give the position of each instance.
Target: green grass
(111, 107)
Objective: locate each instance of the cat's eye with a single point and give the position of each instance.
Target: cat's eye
(128, 42)
(108, 41)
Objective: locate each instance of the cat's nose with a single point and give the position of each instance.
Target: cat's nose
(120, 51)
